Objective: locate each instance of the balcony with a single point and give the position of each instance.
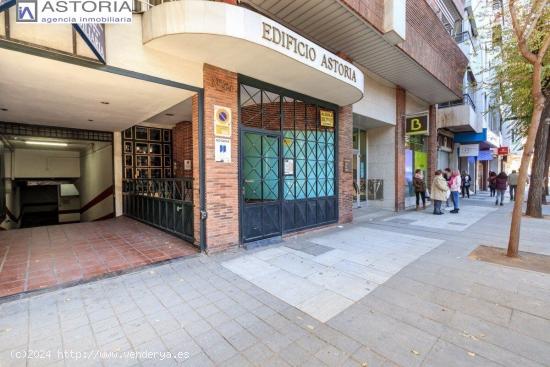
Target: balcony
(459, 116)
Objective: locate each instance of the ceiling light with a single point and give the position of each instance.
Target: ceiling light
(90, 120)
(104, 102)
(3, 109)
(169, 114)
(50, 143)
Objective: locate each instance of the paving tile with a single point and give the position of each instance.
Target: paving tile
(325, 305)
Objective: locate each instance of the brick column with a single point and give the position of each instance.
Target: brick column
(400, 105)
(432, 145)
(222, 184)
(196, 169)
(345, 153)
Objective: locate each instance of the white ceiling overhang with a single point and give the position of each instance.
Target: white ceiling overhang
(43, 91)
(243, 41)
(333, 25)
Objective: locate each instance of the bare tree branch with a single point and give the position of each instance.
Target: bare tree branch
(519, 31)
(533, 18)
(544, 47)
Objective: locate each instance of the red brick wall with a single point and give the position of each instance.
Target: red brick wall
(370, 10)
(345, 153)
(431, 46)
(182, 136)
(400, 105)
(222, 185)
(427, 41)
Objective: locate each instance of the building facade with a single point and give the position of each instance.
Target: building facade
(225, 123)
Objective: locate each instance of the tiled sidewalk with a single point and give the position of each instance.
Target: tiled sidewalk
(442, 310)
(42, 257)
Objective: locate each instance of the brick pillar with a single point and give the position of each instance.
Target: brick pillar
(432, 144)
(222, 184)
(182, 134)
(400, 105)
(345, 153)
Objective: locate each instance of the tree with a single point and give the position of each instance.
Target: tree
(525, 20)
(537, 189)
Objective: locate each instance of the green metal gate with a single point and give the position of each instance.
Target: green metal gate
(166, 203)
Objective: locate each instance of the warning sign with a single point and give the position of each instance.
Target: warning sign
(222, 121)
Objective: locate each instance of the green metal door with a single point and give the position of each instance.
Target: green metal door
(261, 184)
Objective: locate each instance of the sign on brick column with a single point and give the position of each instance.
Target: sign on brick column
(222, 184)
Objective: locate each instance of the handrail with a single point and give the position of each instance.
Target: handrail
(466, 99)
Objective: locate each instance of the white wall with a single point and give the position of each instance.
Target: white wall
(12, 193)
(118, 172)
(379, 100)
(381, 163)
(415, 105)
(96, 176)
(37, 163)
(124, 48)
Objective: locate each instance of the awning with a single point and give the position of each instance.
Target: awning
(486, 138)
(243, 41)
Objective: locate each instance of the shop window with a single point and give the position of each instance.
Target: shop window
(147, 152)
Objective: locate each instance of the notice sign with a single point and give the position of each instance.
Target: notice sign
(502, 151)
(417, 125)
(222, 151)
(469, 150)
(327, 118)
(222, 121)
(289, 167)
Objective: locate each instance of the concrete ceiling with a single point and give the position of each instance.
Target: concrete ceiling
(42, 91)
(183, 111)
(332, 25)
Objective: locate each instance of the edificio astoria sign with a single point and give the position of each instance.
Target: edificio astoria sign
(308, 52)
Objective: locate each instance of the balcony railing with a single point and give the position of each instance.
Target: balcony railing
(466, 99)
(462, 37)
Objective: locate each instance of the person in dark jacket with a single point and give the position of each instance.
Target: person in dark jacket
(419, 188)
(501, 184)
(492, 183)
(466, 183)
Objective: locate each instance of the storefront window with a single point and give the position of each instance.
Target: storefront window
(416, 157)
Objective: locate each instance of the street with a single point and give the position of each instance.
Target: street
(387, 290)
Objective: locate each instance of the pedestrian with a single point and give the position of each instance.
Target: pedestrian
(513, 182)
(455, 185)
(419, 188)
(439, 191)
(466, 183)
(501, 186)
(492, 183)
(447, 177)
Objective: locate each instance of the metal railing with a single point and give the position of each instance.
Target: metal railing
(462, 37)
(466, 99)
(166, 203)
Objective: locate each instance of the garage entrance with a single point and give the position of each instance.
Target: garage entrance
(55, 175)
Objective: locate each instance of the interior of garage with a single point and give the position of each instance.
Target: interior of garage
(54, 181)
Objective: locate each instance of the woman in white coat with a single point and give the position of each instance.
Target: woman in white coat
(439, 191)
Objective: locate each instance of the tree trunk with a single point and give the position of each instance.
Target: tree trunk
(536, 188)
(545, 192)
(538, 106)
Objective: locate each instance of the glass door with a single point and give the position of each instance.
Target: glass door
(260, 157)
